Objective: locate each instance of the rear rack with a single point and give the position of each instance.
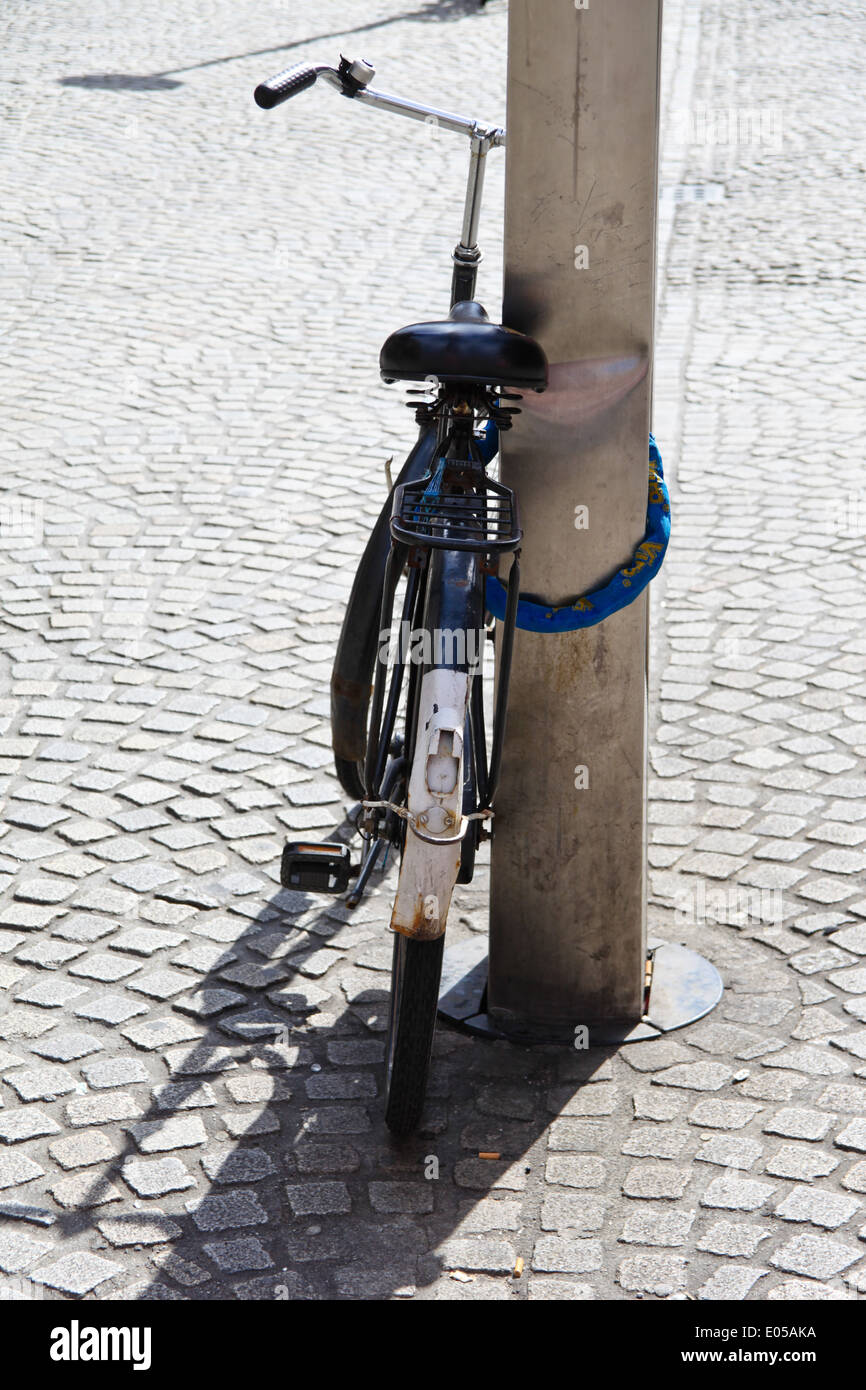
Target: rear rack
(485, 520)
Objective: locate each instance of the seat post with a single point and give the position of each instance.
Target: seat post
(467, 255)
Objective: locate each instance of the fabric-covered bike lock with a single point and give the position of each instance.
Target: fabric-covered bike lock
(621, 590)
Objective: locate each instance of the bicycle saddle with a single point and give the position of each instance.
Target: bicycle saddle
(464, 347)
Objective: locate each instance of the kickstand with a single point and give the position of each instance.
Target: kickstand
(366, 869)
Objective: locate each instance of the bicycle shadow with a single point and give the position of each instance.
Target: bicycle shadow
(429, 11)
(262, 1167)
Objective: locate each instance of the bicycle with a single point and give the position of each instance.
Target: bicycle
(407, 717)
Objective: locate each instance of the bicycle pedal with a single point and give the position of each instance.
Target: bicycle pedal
(323, 868)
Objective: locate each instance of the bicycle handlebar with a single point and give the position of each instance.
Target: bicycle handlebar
(351, 78)
(286, 84)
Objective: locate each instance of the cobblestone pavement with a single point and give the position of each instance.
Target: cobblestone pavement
(194, 294)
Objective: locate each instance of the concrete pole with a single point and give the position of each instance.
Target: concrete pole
(567, 929)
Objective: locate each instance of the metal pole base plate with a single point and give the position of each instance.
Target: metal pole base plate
(684, 987)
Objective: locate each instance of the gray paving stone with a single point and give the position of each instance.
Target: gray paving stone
(113, 1071)
(175, 1132)
(773, 1086)
(77, 1273)
(804, 1290)
(818, 1257)
(110, 1008)
(145, 941)
(253, 1089)
(662, 1275)
(730, 1282)
(199, 1060)
(556, 1290)
(355, 1052)
(797, 1161)
(723, 1114)
(19, 1251)
(812, 1061)
(184, 1272)
(730, 1151)
(104, 968)
(855, 1178)
(573, 1171)
(847, 1099)
(157, 1176)
(827, 1209)
(656, 1180)
(184, 1095)
(66, 1046)
(233, 1256)
(48, 954)
(853, 1136)
(29, 1123)
(152, 1227)
(656, 1105)
(41, 1083)
(160, 984)
(85, 1190)
(49, 993)
(656, 1141)
(694, 1076)
(204, 958)
(17, 1168)
(224, 1213)
(735, 1193)
(156, 1033)
(319, 1156)
(799, 1123)
(97, 1110)
(649, 1226)
(83, 1150)
(733, 1238)
(318, 1198)
(409, 1197)
(243, 1123)
(237, 1165)
(341, 1086)
(578, 1135)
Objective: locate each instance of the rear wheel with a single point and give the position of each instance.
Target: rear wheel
(415, 973)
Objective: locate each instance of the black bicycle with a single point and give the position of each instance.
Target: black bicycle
(407, 712)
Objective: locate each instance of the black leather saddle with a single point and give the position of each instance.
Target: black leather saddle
(464, 347)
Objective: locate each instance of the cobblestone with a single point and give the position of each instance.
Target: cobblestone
(816, 1256)
(83, 1150)
(155, 1177)
(730, 1282)
(827, 1209)
(77, 1273)
(223, 1213)
(733, 1238)
(657, 1274)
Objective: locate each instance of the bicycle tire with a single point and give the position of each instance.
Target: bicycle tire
(355, 657)
(416, 970)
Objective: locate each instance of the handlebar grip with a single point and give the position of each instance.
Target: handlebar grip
(286, 84)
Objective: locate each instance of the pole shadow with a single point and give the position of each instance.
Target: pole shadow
(429, 11)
